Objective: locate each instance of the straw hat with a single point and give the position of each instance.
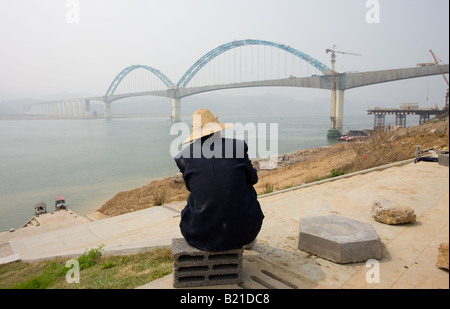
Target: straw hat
(205, 123)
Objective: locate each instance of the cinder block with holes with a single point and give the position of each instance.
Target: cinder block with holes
(193, 267)
(443, 157)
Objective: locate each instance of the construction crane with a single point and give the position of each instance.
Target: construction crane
(436, 62)
(333, 132)
(333, 56)
(425, 64)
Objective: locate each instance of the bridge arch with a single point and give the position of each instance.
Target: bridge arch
(190, 73)
(127, 70)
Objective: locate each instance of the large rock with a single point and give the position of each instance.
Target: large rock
(389, 212)
(339, 239)
(442, 261)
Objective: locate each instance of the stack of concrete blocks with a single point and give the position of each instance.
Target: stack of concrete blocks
(339, 239)
(193, 267)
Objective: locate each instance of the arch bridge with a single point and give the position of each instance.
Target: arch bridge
(259, 62)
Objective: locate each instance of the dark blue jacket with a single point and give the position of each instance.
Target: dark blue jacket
(222, 210)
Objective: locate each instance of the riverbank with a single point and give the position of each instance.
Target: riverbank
(410, 251)
(301, 167)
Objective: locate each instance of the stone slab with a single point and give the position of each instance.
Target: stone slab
(9, 259)
(339, 239)
(5, 249)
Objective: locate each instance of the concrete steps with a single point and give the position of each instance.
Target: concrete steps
(32, 222)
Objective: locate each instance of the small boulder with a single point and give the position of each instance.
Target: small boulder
(389, 212)
(178, 178)
(442, 261)
(269, 164)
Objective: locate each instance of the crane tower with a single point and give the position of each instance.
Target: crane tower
(337, 97)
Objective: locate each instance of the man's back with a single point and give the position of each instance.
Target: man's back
(222, 210)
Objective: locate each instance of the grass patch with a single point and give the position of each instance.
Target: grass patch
(269, 187)
(289, 186)
(333, 173)
(159, 196)
(96, 271)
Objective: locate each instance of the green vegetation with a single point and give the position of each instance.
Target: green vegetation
(333, 173)
(269, 187)
(96, 272)
(289, 186)
(88, 259)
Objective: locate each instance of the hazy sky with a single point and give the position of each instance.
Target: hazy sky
(41, 53)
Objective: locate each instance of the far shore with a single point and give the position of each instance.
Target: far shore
(50, 117)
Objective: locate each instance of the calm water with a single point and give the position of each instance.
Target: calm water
(89, 161)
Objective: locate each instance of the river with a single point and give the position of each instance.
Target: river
(90, 160)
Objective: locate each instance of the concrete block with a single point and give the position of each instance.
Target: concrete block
(339, 239)
(193, 267)
(443, 158)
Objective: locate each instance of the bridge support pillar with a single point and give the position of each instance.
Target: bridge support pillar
(65, 109)
(379, 122)
(336, 113)
(400, 120)
(424, 118)
(339, 110)
(81, 113)
(107, 110)
(176, 110)
(69, 109)
(74, 108)
(87, 108)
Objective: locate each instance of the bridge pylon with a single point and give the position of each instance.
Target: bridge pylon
(87, 108)
(339, 110)
(107, 110)
(176, 110)
(336, 113)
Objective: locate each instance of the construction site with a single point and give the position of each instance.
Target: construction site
(405, 109)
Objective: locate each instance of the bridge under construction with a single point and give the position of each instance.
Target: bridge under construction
(401, 113)
(244, 66)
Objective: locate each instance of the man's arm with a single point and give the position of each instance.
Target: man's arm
(250, 171)
(181, 163)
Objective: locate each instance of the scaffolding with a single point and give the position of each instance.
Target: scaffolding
(401, 113)
(379, 122)
(400, 120)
